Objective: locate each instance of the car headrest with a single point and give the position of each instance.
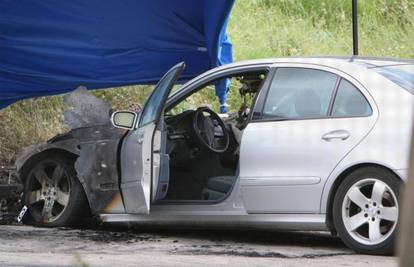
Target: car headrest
(308, 104)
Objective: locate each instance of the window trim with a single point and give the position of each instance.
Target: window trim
(259, 102)
(193, 87)
(333, 96)
(258, 110)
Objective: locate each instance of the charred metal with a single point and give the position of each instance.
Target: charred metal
(94, 151)
(91, 144)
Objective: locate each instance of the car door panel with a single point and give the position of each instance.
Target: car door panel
(142, 147)
(292, 159)
(136, 170)
(284, 163)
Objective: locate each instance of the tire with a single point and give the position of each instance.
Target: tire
(370, 226)
(53, 194)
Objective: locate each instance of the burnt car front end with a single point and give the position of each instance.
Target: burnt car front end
(93, 151)
(87, 155)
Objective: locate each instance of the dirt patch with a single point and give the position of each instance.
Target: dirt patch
(105, 236)
(108, 246)
(257, 254)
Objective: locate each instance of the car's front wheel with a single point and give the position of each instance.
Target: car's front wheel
(53, 194)
(366, 210)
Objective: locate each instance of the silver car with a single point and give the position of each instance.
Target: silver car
(314, 144)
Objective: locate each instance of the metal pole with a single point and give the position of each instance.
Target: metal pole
(355, 26)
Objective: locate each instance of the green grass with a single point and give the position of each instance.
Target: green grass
(272, 28)
(258, 29)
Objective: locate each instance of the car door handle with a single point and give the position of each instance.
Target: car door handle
(337, 134)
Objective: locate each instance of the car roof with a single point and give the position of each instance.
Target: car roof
(368, 62)
(328, 61)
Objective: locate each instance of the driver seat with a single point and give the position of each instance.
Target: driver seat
(219, 186)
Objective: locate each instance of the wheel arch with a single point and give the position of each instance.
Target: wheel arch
(339, 179)
(30, 161)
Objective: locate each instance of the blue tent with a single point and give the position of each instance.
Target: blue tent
(53, 46)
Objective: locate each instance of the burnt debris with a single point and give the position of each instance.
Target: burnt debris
(10, 194)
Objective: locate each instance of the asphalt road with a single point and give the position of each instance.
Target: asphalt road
(30, 246)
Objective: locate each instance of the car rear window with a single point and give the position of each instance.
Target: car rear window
(350, 102)
(403, 75)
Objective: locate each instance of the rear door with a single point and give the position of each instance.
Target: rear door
(138, 148)
(302, 134)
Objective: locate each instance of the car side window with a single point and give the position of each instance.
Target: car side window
(350, 102)
(298, 93)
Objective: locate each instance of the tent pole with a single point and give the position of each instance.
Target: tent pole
(355, 26)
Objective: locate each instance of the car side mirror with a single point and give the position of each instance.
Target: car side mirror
(124, 119)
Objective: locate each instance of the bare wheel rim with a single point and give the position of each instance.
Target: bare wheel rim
(48, 191)
(370, 211)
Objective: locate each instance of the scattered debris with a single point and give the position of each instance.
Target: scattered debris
(10, 194)
(256, 254)
(21, 214)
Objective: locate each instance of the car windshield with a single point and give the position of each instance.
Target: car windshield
(403, 75)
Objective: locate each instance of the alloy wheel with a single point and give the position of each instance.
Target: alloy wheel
(370, 211)
(48, 190)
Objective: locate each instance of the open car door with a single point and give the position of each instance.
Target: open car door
(138, 148)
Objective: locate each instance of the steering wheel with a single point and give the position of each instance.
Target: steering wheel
(210, 130)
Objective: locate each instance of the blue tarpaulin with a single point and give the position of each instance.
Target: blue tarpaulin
(53, 46)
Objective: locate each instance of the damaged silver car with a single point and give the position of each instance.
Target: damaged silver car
(316, 144)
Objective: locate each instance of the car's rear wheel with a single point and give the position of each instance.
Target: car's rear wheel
(366, 210)
(53, 193)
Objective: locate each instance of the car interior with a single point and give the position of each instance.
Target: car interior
(203, 145)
